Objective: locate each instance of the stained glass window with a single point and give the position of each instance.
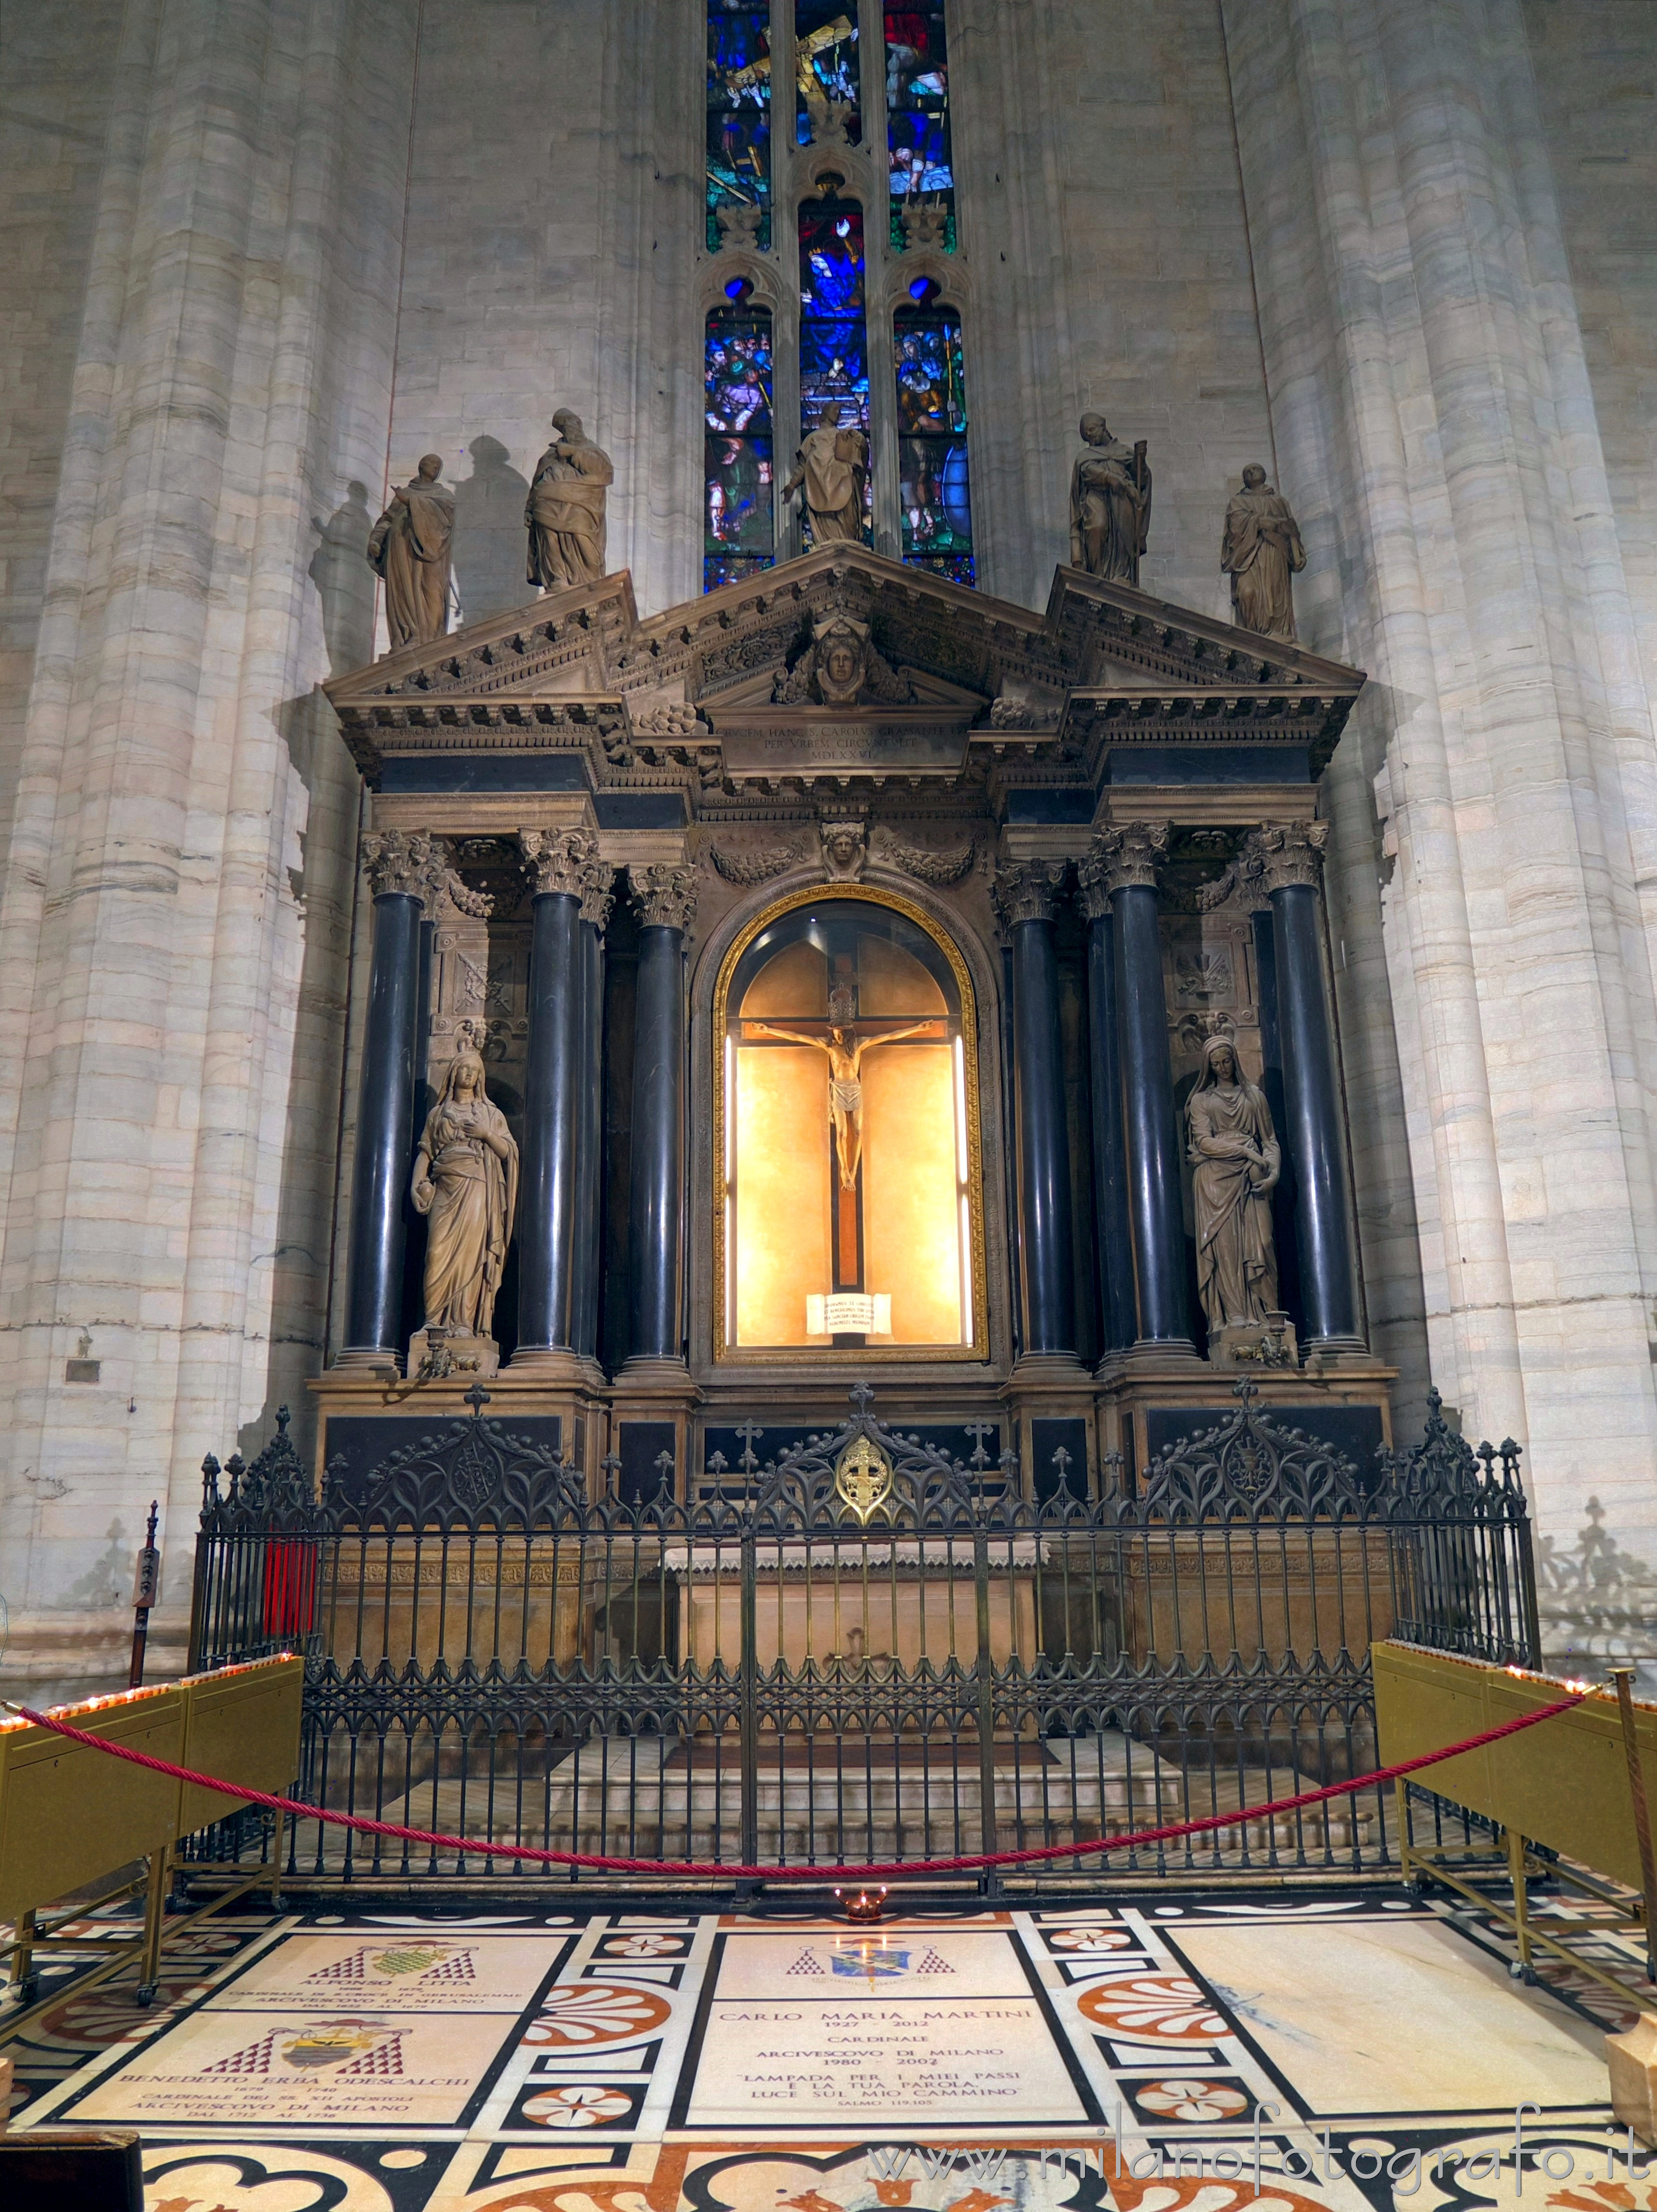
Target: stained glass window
(935, 490)
(918, 150)
(833, 331)
(739, 119)
(739, 530)
(828, 89)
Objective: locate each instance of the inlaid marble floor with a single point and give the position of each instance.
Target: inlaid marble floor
(1362, 2052)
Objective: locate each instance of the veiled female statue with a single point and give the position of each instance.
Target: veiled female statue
(465, 1180)
(1236, 1160)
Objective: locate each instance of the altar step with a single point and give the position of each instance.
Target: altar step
(654, 1797)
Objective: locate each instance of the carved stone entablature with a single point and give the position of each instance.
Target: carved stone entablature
(406, 862)
(666, 896)
(1028, 891)
(927, 868)
(558, 861)
(758, 866)
(843, 662)
(1287, 854)
(1124, 858)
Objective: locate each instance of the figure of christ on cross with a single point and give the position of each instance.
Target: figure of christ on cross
(844, 1048)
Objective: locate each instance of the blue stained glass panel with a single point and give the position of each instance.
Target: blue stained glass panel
(729, 568)
(739, 485)
(937, 505)
(738, 386)
(931, 381)
(826, 61)
(935, 482)
(738, 164)
(739, 522)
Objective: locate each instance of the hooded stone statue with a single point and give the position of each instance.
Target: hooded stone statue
(466, 1183)
(564, 512)
(1261, 551)
(1235, 1162)
(409, 547)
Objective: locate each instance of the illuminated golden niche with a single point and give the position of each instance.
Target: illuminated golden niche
(848, 1207)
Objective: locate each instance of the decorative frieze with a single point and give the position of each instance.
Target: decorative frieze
(558, 861)
(666, 896)
(1287, 854)
(1028, 891)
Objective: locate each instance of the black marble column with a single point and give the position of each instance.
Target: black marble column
(655, 1242)
(1315, 1116)
(1124, 867)
(1113, 1232)
(1025, 892)
(559, 864)
(403, 868)
(590, 1143)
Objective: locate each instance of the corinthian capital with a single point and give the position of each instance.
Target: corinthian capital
(597, 894)
(666, 896)
(1287, 854)
(558, 861)
(1028, 891)
(1126, 857)
(406, 862)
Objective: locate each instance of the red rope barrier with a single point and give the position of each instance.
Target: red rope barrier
(904, 1869)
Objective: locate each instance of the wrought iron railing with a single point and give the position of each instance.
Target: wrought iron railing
(862, 1650)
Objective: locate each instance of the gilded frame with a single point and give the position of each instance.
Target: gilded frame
(725, 1353)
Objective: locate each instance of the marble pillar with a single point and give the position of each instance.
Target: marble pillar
(1290, 861)
(1123, 867)
(1432, 398)
(596, 902)
(404, 871)
(667, 901)
(1112, 1228)
(552, 1227)
(1025, 893)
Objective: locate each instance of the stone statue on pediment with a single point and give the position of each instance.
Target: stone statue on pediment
(1110, 504)
(833, 467)
(1261, 553)
(564, 512)
(408, 548)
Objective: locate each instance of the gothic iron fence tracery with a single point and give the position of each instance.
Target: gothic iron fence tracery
(861, 1649)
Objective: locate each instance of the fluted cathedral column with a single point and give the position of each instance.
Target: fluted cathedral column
(597, 899)
(1290, 857)
(1123, 868)
(666, 900)
(405, 869)
(1025, 896)
(560, 864)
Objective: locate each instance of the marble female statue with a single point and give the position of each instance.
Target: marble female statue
(1235, 1160)
(410, 548)
(833, 465)
(1261, 551)
(466, 1181)
(1110, 504)
(564, 513)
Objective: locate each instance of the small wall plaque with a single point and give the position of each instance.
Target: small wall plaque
(81, 1370)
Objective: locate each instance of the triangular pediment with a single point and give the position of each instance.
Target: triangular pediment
(580, 666)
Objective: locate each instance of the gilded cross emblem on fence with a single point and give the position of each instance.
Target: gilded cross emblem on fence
(863, 1477)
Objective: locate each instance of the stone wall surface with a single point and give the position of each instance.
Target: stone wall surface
(1431, 390)
(181, 866)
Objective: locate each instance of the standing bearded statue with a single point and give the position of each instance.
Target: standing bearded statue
(1110, 504)
(410, 547)
(564, 512)
(1235, 1162)
(833, 466)
(1261, 551)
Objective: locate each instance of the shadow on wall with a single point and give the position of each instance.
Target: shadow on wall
(490, 543)
(345, 582)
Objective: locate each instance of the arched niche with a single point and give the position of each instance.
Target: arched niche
(847, 1199)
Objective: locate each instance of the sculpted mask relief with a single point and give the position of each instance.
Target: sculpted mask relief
(1235, 1160)
(466, 1183)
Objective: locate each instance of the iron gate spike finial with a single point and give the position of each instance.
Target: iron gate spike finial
(862, 1396)
(477, 1398)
